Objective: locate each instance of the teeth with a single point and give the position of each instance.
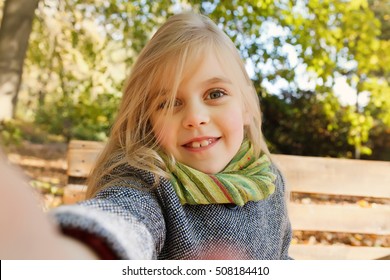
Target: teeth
(202, 143)
(195, 144)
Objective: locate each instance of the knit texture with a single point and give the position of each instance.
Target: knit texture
(245, 178)
(138, 222)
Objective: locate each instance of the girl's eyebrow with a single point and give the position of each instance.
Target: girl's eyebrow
(217, 79)
(161, 93)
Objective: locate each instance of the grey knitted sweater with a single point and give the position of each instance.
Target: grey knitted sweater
(137, 222)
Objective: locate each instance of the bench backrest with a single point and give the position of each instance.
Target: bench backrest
(329, 177)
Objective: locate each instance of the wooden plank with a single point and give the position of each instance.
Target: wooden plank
(74, 193)
(335, 176)
(336, 252)
(80, 162)
(82, 156)
(340, 218)
(83, 144)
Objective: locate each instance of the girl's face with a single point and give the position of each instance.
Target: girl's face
(206, 128)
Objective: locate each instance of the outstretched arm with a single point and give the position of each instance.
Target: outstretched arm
(26, 232)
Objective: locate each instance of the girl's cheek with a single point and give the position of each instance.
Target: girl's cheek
(235, 120)
(158, 134)
(159, 124)
(164, 134)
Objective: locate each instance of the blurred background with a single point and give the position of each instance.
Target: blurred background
(321, 69)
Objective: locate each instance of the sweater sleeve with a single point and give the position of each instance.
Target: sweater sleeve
(119, 223)
(286, 231)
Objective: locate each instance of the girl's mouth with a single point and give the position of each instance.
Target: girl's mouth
(201, 143)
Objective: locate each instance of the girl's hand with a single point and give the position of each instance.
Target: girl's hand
(26, 232)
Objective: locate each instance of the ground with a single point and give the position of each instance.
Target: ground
(45, 166)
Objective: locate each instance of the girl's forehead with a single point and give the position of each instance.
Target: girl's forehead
(207, 70)
(176, 70)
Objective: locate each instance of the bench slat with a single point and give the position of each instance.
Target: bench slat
(82, 156)
(82, 144)
(74, 193)
(340, 218)
(81, 161)
(335, 176)
(336, 252)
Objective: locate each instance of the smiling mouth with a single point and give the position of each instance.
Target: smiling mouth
(201, 144)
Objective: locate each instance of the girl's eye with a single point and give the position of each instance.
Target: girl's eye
(162, 105)
(165, 104)
(177, 103)
(215, 94)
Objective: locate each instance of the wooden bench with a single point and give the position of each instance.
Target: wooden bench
(306, 176)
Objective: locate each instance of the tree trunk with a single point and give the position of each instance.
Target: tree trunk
(15, 30)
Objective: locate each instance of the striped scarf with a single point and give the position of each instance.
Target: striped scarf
(245, 178)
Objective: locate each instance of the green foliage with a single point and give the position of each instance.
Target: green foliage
(10, 133)
(85, 118)
(81, 50)
(13, 132)
(381, 8)
(380, 142)
(301, 124)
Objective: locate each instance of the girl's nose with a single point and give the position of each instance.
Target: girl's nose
(195, 116)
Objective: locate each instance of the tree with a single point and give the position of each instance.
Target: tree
(298, 123)
(14, 34)
(326, 39)
(381, 8)
(79, 54)
(80, 51)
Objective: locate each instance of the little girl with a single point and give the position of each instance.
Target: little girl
(186, 173)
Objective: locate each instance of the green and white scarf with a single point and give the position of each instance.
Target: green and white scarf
(245, 178)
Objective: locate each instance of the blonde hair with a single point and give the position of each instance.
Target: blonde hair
(170, 54)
